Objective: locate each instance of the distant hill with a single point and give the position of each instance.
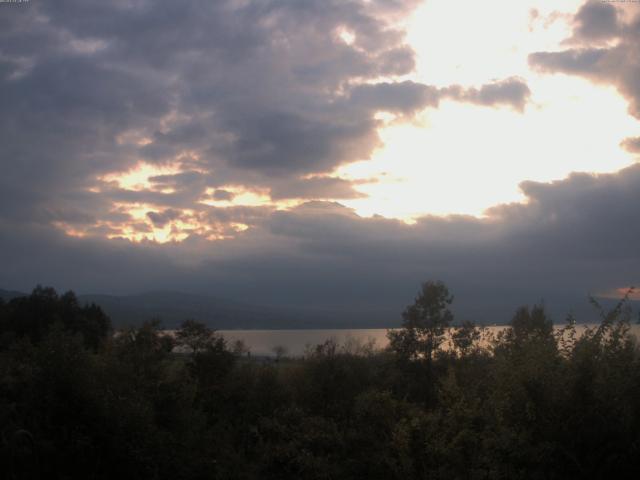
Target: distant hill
(174, 307)
(7, 295)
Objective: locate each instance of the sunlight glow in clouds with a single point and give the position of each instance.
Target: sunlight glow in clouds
(435, 165)
(472, 42)
(140, 227)
(464, 159)
(458, 158)
(275, 148)
(240, 197)
(617, 293)
(138, 178)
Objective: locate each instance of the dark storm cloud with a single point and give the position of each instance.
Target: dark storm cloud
(260, 95)
(316, 187)
(572, 237)
(578, 219)
(616, 65)
(248, 85)
(238, 214)
(240, 92)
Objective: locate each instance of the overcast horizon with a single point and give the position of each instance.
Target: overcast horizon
(331, 154)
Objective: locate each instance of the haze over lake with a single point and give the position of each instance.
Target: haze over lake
(295, 342)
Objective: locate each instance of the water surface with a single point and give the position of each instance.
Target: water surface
(263, 342)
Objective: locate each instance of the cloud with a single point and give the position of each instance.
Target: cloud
(244, 86)
(228, 99)
(596, 20)
(316, 188)
(578, 62)
(220, 194)
(265, 96)
(408, 98)
(513, 92)
(616, 64)
(160, 219)
(631, 144)
(570, 238)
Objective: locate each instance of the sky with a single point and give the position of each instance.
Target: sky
(322, 153)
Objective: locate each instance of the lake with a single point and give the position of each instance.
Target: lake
(262, 342)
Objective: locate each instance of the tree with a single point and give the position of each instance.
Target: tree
(465, 337)
(34, 315)
(240, 348)
(424, 323)
(530, 325)
(194, 335)
(279, 351)
(143, 349)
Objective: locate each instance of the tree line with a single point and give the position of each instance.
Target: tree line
(78, 400)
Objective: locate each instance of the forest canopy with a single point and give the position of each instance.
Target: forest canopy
(79, 400)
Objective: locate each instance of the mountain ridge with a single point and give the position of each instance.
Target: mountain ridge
(172, 307)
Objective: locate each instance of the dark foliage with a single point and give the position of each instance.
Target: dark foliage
(33, 317)
(77, 401)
